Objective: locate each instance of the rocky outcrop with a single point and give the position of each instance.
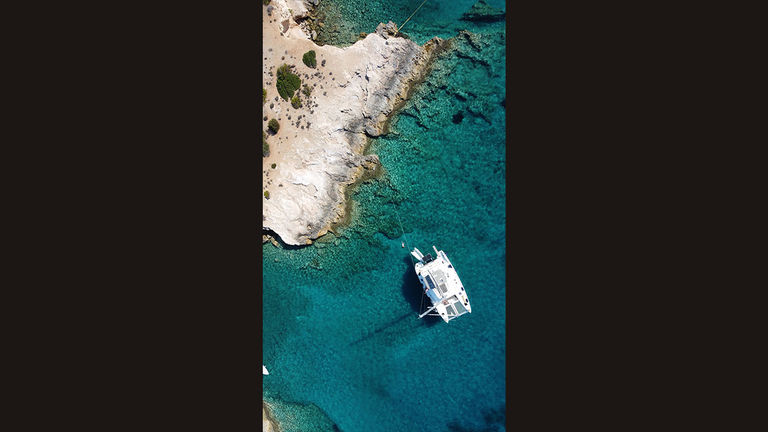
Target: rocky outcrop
(298, 8)
(483, 12)
(268, 423)
(352, 98)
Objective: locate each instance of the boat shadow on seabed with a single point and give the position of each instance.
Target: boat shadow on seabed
(413, 292)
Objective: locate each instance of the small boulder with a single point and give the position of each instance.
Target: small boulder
(386, 30)
(371, 130)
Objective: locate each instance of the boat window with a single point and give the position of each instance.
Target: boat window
(438, 275)
(443, 289)
(450, 311)
(460, 307)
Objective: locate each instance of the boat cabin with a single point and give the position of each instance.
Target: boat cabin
(441, 285)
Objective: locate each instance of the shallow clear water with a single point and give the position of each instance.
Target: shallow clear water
(341, 336)
(344, 20)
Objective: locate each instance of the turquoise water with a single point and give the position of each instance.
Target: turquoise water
(341, 336)
(345, 20)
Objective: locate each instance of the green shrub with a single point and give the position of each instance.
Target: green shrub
(309, 59)
(266, 194)
(274, 165)
(296, 102)
(307, 90)
(266, 2)
(274, 126)
(287, 82)
(265, 96)
(264, 144)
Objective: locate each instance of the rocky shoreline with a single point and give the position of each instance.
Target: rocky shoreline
(319, 149)
(268, 423)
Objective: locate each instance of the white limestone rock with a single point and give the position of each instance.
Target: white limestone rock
(362, 85)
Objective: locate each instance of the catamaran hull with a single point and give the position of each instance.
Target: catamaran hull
(441, 284)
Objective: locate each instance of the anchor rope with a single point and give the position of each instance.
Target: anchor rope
(404, 236)
(402, 231)
(409, 18)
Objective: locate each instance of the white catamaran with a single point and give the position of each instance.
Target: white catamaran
(441, 284)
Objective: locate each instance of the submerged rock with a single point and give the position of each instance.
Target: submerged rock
(483, 12)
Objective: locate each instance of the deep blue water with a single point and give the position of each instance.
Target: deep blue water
(341, 336)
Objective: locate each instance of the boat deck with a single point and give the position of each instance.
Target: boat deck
(442, 286)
